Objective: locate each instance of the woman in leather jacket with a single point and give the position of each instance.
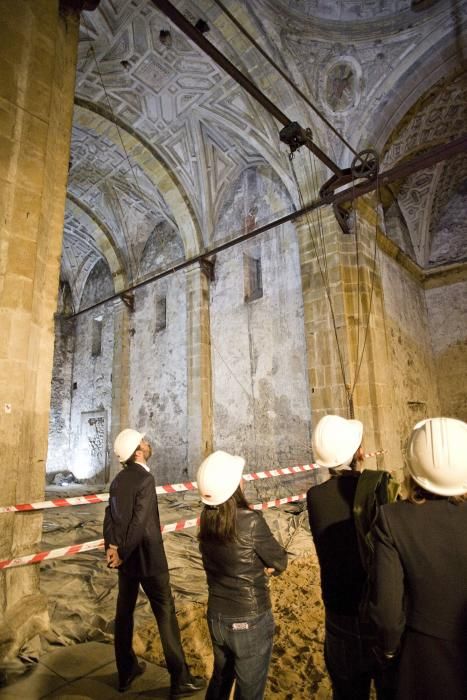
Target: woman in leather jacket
(239, 552)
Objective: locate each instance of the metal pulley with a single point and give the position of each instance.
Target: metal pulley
(365, 164)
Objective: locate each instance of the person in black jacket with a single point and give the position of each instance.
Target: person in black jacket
(349, 639)
(420, 598)
(133, 543)
(239, 552)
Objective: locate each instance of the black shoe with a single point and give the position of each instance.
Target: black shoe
(137, 671)
(190, 686)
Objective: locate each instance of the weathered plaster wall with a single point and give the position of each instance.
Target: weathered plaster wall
(92, 382)
(409, 348)
(261, 406)
(447, 315)
(58, 455)
(158, 362)
(260, 390)
(158, 376)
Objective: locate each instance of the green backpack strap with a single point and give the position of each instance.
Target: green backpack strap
(374, 489)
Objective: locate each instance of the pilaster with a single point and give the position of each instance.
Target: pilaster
(120, 380)
(199, 409)
(348, 361)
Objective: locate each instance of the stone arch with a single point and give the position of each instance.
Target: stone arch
(438, 115)
(98, 284)
(163, 247)
(252, 199)
(102, 122)
(429, 64)
(103, 239)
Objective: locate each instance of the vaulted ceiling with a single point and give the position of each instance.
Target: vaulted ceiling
(161, 134)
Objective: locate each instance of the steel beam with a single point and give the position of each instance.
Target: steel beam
(425, 160)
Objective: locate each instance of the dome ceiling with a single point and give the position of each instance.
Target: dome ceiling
(355, 10)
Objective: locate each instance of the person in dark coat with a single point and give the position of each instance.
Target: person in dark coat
(420, 598)
(349, 639)
(133, 543)
(239, 553)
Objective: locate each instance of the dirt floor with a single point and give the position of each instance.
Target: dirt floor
(82, 594)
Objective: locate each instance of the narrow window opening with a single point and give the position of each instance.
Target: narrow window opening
(161, 313)
(96, 336)
(253, 279)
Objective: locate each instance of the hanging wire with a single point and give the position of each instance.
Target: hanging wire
(324, 278)
(356, 233)
(242, 29)
(373, 275)
(324, 271)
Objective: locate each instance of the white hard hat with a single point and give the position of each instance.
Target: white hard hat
(126, 443)
(218, 477)
(437, 456)
(335, 441)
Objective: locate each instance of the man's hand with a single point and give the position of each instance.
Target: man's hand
(385, 658)
(113, 560)
(269, 571)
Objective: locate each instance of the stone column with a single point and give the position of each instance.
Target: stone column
(38, 48)
(120, 380)
(339, 345)
(199, 409)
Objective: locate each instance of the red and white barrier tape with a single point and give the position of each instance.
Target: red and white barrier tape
(167, 488)
(56, 503)
(51, 554)
(98, 544)
(279, 502)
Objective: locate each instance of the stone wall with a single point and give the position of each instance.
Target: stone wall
(447, 315)
(409, 348)
(261, 403)
(58, 454)
(91, 396)
(158, 374)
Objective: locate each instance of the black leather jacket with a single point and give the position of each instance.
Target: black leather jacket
(238, 585)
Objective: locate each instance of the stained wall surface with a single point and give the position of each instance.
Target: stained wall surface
(409, 341)
(448, 329)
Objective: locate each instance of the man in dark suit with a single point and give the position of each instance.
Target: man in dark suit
(133, 544)
(349, 640)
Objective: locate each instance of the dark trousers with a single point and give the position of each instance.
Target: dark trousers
(350, 661)
(242, 649)
(157, 589)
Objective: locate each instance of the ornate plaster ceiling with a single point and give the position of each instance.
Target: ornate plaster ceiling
(355, 10)
(432, 201)
(161, 133)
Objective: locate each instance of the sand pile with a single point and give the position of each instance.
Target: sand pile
(297, 667)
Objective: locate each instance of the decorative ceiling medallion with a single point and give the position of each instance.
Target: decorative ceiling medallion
(342, 85)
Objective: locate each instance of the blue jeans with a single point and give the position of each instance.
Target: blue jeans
(242, 650)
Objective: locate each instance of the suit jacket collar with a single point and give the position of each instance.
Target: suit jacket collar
(136, 466)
